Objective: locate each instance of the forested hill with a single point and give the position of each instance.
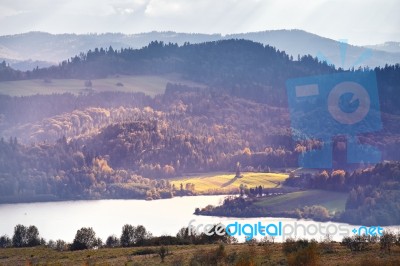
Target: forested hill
(27, 50)
(246, 69)
(219, 63)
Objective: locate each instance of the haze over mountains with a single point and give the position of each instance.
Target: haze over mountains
(28, 50)
(391, 47)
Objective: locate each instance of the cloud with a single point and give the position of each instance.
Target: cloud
(124, 7)
(359, 21)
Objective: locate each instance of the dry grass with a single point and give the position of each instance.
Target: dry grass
(262, 255)
(150, 85)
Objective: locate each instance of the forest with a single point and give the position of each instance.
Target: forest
(112, 144)
(243, 68)
(113, 150)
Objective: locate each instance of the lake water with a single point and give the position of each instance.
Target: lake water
(61, 220)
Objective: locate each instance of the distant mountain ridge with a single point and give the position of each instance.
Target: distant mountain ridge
(391, 47)
(53, 48)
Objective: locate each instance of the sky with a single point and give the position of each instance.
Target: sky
(358, 21)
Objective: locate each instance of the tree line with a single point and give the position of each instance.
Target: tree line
(131, 236)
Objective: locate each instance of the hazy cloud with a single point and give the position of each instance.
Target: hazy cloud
(359, 21)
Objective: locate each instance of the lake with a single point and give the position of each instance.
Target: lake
(61, 220)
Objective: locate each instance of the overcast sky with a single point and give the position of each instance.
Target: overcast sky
(358, 21)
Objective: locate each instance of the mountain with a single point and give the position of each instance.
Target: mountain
(391, 47)
(53, 48)
(226, 64)
(241, 67)
(339, 53)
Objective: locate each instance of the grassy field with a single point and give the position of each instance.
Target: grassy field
(182, 255)
(333, 201)
(151, 85)
(221, 182)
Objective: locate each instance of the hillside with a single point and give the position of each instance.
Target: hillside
(240, 68)
(148, 84)
(110, 130)
(333, 201)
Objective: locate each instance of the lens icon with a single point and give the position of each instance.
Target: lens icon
(358, 93)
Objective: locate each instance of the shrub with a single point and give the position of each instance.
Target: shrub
(220, 253)
(178, 262)
(305, 256)
(387, 240)
(217, 256)
(163, 252)
(356, 243)
(292, 245)
(60, 245)
(327, 245)
(144, 251)
(202, 257)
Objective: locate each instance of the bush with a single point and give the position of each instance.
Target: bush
(246, 257)
(144, 251)
(305, 256)
(292, 245)
(61, 245)
(163, 252)
(178, 262)
(213, 257)
(202, 257)
(356, 243)
(374, 261)
(327, 245)
(220, 253)
(387, 240)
